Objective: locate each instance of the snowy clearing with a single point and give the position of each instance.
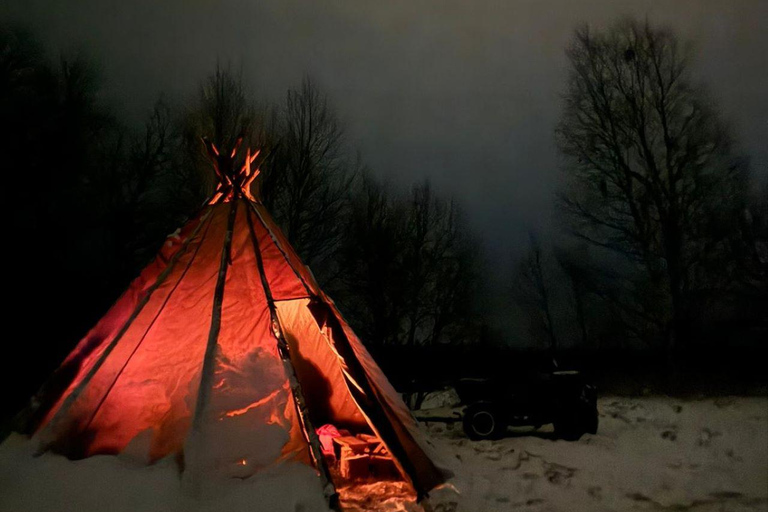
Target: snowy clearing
(649, 454)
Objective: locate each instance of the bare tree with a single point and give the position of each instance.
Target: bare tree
(440, 261)
(373, 285)
(579, 275)
(410, 267)
(222, 112)
(306, 182)
(158, 191)
(650, 169)
(533, 291)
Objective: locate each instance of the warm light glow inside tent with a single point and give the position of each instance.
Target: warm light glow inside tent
(225, 339)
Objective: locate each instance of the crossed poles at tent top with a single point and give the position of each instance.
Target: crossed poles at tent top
(231, 183)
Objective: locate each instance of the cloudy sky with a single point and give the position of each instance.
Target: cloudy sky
(465, 93)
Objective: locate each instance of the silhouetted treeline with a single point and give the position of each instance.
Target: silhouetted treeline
(91, 198)
(403, 267)
(709, 371)
(666, 245)
(87, 199)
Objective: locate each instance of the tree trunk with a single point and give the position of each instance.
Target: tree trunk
(679, 331)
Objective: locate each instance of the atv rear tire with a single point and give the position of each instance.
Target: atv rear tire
(483, 421)
(568, 429)
(574, 422)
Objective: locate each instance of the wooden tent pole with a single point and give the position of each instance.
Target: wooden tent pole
(204, 392)
(329, 490)
(192, 471)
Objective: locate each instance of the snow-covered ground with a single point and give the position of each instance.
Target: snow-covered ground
(649, 454)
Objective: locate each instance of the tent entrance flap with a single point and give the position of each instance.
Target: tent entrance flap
(357, 456)
(318, 369)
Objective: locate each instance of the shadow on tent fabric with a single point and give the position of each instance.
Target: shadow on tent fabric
(316, 388)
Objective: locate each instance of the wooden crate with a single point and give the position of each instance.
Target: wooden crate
(355, 467)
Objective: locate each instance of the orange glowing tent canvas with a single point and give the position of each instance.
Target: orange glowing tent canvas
(225, 339)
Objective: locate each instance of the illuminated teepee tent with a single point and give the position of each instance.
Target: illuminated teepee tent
(225, 353)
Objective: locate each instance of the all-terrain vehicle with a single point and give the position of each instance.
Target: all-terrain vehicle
(564, 398)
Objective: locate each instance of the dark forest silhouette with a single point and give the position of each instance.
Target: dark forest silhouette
(99, 198)
(665, 246)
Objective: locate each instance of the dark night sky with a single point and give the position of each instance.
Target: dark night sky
(466, 93)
